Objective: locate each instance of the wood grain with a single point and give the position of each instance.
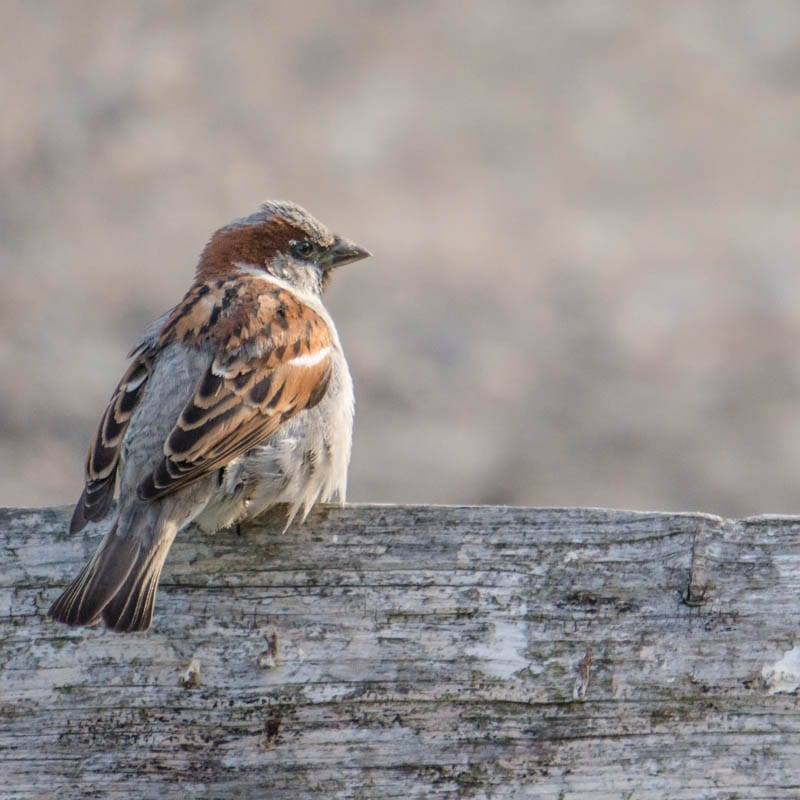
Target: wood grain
(415, 652)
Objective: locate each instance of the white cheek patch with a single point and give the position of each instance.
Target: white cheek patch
(310, 359)
(255, 270)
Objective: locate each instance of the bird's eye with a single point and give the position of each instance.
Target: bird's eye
(302, 249)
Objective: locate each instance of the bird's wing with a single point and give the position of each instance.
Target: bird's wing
(272, 359)
(103, 458)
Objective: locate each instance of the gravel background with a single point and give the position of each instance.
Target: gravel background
(584, 215)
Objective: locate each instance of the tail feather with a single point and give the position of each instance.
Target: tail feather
(120, 581)
(84, 599)
(131, 608)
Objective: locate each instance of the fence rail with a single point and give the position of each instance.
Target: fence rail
(415, 652)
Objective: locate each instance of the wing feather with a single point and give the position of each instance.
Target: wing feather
(103, 458)
(272, 360)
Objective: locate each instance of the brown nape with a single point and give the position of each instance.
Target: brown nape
(248, 244)
(274, 317)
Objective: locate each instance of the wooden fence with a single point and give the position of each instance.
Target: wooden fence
(416, 652)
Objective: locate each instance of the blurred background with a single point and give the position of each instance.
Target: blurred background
(585, 287)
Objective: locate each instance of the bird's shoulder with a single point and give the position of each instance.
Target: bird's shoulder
(264, 318)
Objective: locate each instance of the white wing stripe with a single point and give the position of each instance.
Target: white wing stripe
(310, 359)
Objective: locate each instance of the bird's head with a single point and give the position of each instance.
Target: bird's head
(282, 240)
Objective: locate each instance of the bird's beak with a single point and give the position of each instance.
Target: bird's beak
(346, 252)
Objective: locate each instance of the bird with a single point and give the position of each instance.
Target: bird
(237, 399)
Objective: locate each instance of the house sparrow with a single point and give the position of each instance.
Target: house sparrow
(235, 400)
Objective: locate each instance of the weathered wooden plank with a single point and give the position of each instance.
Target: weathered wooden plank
(385, 651)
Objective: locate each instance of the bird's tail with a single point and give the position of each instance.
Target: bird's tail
(119, 583)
